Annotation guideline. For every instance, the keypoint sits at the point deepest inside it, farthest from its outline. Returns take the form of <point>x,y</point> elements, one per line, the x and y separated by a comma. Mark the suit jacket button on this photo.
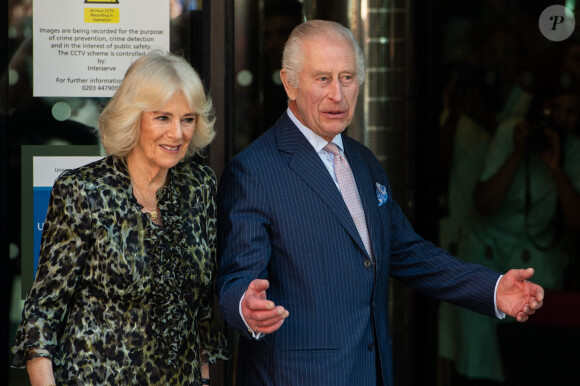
<point>367,263</point>
<point>371,346</point>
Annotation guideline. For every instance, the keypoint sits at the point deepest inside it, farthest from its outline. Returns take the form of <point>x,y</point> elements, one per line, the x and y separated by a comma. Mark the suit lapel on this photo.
<point>310,168</point>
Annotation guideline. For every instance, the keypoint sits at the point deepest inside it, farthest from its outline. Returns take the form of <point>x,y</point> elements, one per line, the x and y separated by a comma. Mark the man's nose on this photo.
<point>336,90</point>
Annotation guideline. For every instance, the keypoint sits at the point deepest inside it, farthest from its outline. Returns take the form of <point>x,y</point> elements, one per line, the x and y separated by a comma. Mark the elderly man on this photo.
<point>309,235</point>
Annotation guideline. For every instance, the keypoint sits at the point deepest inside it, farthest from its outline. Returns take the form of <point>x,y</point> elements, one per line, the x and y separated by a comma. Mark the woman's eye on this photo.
<point>189,119</point>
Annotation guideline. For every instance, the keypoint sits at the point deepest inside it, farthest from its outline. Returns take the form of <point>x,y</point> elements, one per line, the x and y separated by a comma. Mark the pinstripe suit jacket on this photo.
<point>281,217</point>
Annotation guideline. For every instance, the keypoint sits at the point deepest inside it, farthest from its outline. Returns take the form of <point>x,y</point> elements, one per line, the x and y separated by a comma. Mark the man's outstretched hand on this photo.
<point>261,314</point>
<point>518,297</point>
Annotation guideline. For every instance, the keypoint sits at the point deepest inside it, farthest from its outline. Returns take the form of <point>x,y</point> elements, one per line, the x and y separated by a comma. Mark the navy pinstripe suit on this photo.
<point>282,218</point>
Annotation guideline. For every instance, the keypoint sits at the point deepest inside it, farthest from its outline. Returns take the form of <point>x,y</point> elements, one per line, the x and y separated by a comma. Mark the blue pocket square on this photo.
<point>382,196</point>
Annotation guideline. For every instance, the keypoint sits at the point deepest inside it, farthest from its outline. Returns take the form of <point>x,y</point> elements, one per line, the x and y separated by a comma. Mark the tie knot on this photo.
<point>332,148</point>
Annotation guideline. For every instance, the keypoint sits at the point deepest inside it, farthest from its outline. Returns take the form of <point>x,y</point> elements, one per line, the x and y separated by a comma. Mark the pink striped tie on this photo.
<point>350,194</point>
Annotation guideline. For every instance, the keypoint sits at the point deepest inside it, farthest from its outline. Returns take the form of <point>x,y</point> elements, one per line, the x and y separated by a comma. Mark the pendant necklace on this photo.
<point>153,212</point>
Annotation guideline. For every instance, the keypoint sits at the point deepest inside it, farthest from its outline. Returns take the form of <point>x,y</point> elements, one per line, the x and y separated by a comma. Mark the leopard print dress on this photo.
<point>117,299</point>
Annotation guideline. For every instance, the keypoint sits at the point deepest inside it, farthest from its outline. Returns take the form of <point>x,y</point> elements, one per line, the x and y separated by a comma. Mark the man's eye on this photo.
<point>347,79</point>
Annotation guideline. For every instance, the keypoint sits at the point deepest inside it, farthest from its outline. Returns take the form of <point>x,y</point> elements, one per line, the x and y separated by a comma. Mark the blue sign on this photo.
<point>40,196</point>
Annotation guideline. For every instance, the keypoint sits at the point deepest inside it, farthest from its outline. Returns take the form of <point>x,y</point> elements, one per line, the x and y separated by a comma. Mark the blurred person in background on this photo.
<point>528,191</point>
<point>488,88</point>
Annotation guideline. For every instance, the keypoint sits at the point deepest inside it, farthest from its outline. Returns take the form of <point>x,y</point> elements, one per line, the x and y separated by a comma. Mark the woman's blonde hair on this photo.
<point>148,85</point>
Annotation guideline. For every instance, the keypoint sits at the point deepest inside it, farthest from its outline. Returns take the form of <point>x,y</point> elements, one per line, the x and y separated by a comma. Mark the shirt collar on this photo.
<point>317,142</point>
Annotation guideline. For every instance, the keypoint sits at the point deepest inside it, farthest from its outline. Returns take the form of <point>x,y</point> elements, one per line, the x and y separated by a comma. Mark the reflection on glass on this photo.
<point>61,111</point>
<point>244,78</point>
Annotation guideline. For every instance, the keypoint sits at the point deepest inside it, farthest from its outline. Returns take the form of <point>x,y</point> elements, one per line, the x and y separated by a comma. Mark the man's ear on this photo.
<point>290,91</point>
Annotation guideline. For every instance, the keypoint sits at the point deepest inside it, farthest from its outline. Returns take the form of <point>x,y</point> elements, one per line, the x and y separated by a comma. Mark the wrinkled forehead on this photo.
<point>329,55</point>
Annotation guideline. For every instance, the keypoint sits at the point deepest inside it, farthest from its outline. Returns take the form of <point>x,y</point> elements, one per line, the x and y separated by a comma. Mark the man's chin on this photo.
<point>336,127</point>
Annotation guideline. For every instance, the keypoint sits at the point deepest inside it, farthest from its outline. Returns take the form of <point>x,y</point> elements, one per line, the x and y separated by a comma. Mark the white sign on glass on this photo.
<point>83,48</point>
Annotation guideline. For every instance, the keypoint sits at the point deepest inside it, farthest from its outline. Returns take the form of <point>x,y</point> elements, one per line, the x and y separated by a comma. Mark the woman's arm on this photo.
<point>40,371</point>
<point>489,194</point>
<point>204,368</point>
<point>568,196</point>
<point>64,248</point>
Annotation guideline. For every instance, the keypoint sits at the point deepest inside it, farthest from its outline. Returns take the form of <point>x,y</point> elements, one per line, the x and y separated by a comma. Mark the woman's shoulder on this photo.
<point>191,169</point>
<point>82,173</point>
<point>107,170</point>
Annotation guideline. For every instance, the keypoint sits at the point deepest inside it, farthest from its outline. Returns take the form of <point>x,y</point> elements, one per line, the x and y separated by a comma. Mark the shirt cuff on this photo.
<point>498,313</point>
<point>254,335</point>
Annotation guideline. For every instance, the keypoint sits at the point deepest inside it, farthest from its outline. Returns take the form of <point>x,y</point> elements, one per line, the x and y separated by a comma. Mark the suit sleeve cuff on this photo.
<point>252,333</point>
<point>498,313</point>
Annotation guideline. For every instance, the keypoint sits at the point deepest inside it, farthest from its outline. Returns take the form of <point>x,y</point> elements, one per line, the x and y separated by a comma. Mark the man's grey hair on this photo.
<point>293,57</point>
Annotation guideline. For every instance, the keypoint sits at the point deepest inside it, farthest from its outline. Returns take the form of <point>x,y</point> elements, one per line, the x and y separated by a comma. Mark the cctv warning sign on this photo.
<point>83,49</point>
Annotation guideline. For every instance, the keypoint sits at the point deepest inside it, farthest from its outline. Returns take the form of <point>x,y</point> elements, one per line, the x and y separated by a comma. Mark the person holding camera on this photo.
<point>532,174</point>
<point>528,192</point>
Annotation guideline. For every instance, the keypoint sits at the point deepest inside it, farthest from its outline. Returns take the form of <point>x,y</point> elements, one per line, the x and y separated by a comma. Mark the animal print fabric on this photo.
<point>117,299</point>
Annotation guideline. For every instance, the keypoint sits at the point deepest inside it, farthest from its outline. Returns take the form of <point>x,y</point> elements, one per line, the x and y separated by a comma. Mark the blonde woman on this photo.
<point>124,290</point>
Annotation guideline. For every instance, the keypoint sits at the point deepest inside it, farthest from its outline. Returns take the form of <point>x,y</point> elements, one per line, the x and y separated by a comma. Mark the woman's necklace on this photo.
<point>153,215</point>
<point>153,212</point>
